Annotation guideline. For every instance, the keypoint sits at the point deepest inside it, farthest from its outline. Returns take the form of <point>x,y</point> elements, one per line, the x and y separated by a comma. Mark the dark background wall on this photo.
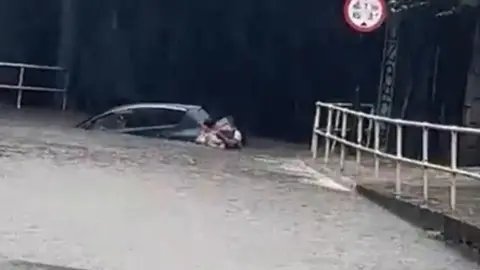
<point>263,61</point>
<point>29,33</point>
<point>419,94</point>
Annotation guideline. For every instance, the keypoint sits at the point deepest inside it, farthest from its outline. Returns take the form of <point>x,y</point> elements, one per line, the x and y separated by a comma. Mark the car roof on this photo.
<point>170,106</point>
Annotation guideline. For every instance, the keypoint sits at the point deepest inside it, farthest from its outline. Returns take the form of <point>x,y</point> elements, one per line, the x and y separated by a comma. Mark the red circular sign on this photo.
<point>365,15</point>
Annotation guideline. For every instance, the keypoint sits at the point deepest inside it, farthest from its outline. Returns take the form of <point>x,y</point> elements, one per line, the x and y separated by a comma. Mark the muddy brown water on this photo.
<point>93,200</point>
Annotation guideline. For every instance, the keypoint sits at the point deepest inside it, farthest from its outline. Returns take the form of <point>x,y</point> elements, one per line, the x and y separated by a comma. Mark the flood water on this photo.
<point>93,200</point>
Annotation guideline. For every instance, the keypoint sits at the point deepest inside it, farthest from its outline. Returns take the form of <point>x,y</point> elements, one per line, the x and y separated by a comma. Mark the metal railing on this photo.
<point>369,107</point>
<point>20,86</point>
<point>398,157</point>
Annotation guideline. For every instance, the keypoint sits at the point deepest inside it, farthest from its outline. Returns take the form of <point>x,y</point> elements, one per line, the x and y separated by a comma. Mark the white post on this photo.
<point>65,90</point>
<point>316,124</point>
<point>369,128</point>
<point>342,145</point>
<point>376,143</point>
<point>453,165</point>
<point>398,181</point>
<point>425,163</point>
<point>328,133</point>
<point>359,142</point>
<point>20,85</point>
<point>64,101</point>
<point>336,127</point>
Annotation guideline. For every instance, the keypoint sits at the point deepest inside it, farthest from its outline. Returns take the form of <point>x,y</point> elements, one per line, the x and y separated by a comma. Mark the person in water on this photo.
<point>224,137</point>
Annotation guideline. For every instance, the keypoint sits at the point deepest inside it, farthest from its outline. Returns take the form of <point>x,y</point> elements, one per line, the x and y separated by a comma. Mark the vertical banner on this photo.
<point>386,89</point>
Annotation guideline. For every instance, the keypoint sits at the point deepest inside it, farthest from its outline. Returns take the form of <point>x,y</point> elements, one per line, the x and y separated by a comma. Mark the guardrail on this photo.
<point>363,107</point>
<point>398,157</point>
<point>20,86</point>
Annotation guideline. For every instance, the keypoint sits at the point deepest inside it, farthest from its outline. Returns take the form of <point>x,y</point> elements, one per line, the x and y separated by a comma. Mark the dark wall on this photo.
<point>29,31</point>
<point>29,34</point>
<point>422,96</point>
<point>263,61</point>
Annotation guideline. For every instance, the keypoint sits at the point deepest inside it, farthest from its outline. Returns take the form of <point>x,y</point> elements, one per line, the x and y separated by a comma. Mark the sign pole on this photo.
<point>363,16</point>
<point>358,85</point>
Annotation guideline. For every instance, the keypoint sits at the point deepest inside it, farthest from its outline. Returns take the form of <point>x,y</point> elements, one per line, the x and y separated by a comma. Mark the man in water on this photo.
<point>224,136</point>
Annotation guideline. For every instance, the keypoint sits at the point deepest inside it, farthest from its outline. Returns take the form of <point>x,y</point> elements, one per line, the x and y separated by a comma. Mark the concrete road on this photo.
<point>98,201</point>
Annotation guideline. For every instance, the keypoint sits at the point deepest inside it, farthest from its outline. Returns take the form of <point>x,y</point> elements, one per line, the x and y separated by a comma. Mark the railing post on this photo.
<point>20,85</point>
<point>328,133</point>
<point>398,180</point>
<point>64,101</point>
<point>453,166</point>
<point>336,127</point>
<point>342,145</point>
<point>65,90</point>
<point>425,163</point>
<point>359,142</point>
<point>376,145</point>
<point>316,125</point>
<point>369,128</point>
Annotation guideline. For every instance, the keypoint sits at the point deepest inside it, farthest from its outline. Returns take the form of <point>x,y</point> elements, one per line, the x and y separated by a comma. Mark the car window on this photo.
<point>110,121</point>
<point>154,117</point>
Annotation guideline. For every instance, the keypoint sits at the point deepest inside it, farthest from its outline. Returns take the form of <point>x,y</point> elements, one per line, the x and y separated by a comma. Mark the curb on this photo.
<point>341,179</point>
<point>461,235</point>
<point>333,174</point>
<point>21,264</point>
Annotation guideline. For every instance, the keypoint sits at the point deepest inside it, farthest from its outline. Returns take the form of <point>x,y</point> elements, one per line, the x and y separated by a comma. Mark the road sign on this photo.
<point>365,15</point>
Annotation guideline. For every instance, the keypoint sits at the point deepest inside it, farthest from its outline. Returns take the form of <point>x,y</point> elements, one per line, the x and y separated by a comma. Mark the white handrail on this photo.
<point>368,106</point>
<point>398,156</point>
<point>401,121</point>
<point>20,86</point>
<point>22,65</point>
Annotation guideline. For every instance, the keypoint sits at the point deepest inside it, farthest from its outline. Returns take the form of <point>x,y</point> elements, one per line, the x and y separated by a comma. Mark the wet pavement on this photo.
<point>92,200</point>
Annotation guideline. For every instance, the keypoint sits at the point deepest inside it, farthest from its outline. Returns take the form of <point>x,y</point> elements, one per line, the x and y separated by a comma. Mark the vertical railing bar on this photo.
<point>64,101</point>
<point>376,139</point>
<point>359,143</point>
<point>343,135</point>
<point>398,167</point>
<point>316,125</point>
<point>21,77</point>
<point>370,127</point>
<point>425,144</point>
<point>453,165</point>
<point>65,90</point>
<point>328,133</point>
<point>20,84</point>
<point>335,130</point>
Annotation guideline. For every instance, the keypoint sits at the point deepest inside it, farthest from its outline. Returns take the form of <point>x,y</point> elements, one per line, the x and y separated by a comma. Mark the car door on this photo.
<point>187,130</point>
<point>153,122</point>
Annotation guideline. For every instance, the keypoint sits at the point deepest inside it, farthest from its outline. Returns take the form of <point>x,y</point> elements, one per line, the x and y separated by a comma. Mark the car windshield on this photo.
<point>200,115</point>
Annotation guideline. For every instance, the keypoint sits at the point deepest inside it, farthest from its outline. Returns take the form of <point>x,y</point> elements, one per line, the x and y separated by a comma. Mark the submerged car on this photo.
<point>159,120</point>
